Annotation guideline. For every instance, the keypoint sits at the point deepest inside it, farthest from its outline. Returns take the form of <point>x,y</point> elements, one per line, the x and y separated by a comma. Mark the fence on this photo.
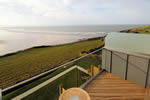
<point>90,59</point>
<point>48,82</point>
<point>128,65</point>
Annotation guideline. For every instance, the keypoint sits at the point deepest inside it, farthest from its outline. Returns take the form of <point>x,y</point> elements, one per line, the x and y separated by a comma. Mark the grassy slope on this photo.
<point>89,60</point>
<point>51,91</point>
<point>31,62</point>
<point>142,30</point>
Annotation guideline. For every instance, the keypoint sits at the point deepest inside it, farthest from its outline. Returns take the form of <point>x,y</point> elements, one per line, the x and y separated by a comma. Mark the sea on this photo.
<point>14,39</point>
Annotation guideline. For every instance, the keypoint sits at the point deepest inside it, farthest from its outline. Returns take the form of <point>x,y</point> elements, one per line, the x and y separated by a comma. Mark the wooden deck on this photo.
<point>111,87</point>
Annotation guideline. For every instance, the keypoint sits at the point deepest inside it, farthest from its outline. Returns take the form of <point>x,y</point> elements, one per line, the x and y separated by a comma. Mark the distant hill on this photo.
<point>141,30</point>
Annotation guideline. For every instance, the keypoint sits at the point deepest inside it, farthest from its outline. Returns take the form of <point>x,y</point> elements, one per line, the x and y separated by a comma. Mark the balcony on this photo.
<point>105,74</point>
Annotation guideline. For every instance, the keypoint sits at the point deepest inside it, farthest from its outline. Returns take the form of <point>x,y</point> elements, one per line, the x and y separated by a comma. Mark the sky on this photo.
<point>73,12</point>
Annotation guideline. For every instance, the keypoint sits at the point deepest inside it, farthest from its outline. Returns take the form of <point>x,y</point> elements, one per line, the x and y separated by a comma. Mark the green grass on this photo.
<point>69,80</point>
<point>89,60</point>
<point>51,90</point>
<point>31,85</point>
<point>39,81</point>
<point>31,62</point>
<point>93,59</point>
<point>141,30</point>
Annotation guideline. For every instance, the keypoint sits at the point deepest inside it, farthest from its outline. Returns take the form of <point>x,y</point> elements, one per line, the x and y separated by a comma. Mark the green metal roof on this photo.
<point>139,43</point>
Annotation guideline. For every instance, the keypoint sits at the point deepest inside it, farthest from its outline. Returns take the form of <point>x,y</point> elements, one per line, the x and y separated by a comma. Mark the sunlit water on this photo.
<point>16,39</point>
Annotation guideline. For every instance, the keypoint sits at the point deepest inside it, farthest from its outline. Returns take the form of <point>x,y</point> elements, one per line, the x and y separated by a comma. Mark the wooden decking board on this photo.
<point>119,98</point>
<point>97,88</point>
<point>115,90</point>
<point>111,87</point>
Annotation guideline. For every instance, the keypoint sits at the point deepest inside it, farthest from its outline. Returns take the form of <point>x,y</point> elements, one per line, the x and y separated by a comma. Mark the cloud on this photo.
<point>70,12</point>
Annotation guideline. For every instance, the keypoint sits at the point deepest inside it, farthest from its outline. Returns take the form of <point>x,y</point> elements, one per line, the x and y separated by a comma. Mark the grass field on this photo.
<point>93,59</point>
<point>71,79</point>
<point>141,30</point>
<point>28,63</point>
<point>51,90</point>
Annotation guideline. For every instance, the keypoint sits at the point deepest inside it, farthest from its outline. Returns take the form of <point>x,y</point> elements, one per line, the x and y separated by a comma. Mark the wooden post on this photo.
<point>92,71</point>
<point>0,94</point>
<point>99,67</point>
<point>60,89</point>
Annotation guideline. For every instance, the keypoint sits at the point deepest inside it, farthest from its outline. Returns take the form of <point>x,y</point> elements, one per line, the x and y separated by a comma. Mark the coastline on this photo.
<point>138,30</point>
<point>22,65</point>
<point>47,46</point>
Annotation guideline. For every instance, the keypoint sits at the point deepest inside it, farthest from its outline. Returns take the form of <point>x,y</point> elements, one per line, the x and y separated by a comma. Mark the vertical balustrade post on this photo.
<point>0,94</point>
<point>60,89</point>
<point>147,74</point>
<point>110,61</point>
<point>127,63</point>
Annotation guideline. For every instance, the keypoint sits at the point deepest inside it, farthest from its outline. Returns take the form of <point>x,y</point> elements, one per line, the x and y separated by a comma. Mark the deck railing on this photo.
<point>34,89</point>
<point>114,56</point>
<point>126,70</point>
<point>93,56</point>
